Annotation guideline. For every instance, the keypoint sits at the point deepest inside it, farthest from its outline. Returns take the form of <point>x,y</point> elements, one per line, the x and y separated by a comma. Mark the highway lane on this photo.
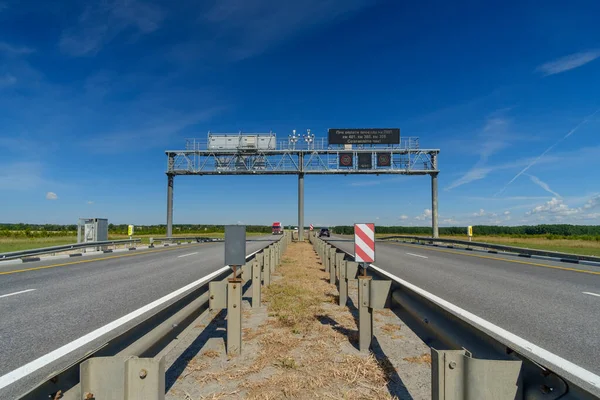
<point>54,306</point>
<point>545,302</point>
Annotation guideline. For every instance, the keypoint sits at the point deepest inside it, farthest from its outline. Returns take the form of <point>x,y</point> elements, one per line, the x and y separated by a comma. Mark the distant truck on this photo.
<point>277,228</point>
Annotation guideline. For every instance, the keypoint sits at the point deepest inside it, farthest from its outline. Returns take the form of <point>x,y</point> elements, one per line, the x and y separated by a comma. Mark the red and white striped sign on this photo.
<point>364,243</point>
<point>311,227</point>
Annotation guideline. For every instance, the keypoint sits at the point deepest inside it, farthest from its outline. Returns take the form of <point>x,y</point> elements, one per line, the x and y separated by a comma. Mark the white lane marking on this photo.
<point>54,355</point>
<point>590,293</point>
<point>185,255</point>
<point>416,255</point>
<point>12,294</point>
<point>550,359</point>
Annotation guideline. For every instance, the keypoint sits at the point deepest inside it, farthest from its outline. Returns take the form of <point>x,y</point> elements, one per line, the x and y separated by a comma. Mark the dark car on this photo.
<point>324,232</point>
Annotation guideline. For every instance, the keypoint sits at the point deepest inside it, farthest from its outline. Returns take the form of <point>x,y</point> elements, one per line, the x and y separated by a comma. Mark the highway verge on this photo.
<point>301,344</point>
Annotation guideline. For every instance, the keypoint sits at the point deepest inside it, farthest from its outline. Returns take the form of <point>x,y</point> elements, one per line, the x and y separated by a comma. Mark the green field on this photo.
<point>8,244</point>
<point>573,246</point>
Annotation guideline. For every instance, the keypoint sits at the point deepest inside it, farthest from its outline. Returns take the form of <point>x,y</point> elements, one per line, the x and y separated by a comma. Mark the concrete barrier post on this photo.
<point>365,314</point>
<point>256,284</point>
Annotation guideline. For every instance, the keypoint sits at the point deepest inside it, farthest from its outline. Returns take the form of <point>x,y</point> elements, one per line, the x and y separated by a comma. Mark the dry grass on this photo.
<point>302,351</point>
<point>422,359</point>
<point>390,328</point>
<point>303,342</point>
<point>211,354</point>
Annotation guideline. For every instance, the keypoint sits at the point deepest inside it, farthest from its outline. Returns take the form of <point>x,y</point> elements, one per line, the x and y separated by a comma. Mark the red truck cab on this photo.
<point>277,229</point>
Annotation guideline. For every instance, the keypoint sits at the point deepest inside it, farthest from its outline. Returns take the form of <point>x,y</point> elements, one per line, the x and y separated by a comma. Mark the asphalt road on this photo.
<point>53,303</point>
<point>553,304</point>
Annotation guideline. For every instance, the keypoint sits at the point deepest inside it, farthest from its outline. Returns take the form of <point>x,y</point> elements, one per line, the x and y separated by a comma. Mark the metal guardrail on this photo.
<point>148,338</point>
<point>526,252</point>
<point>542,375</point>
<point>13,255</point>
<point>179,240</point>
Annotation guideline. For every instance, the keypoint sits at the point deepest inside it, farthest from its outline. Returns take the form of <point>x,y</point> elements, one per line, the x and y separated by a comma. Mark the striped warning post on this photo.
<point>364,243</point>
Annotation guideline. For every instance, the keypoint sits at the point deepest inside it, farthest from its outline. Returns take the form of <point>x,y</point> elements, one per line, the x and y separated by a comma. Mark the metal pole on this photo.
<point>365,314</point>
<point>170,178</point>
<point>256,284</point>
<point>234,315</point>
<point>301,207</point>
<point>434,205</point>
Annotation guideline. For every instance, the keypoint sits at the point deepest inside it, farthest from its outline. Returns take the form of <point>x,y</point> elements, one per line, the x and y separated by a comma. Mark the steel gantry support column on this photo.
<point>434,198</point>
<point>301,207</point>
<point>170,179</point>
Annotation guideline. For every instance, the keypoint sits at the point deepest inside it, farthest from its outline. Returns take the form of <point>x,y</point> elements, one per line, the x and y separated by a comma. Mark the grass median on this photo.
<point>304,347</point>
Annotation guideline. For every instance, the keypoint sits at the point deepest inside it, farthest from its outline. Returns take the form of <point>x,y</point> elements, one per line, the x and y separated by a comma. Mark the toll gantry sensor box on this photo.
<point>92,230</point>
<point>242,142</point>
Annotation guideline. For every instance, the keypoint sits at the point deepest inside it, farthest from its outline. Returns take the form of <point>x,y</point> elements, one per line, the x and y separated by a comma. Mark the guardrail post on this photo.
<point>457,376</point>
<point>267,266</point>
<point>272,261</point>
<point>234,316</point>
<point>365,314</point>
<point>343,284</point>
<point>333,257</point>
<point>339,262</point>
<point>256,284</point>
<point>326,258</point>
<point>128,378</point>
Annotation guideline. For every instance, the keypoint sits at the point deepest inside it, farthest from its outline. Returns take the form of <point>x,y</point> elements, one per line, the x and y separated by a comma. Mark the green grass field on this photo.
<point>16,244</point>
<point>573,246</point>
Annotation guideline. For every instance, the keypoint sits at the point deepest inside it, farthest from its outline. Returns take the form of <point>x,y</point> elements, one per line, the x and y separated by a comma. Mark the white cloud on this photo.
<point>366,183</point>
<point>592,203</point>
<point>481,213</point>
<point>426,215</point>
<point>252,27</point>
<point>90,202</point>
<point>538,158</point>
<point>21,176</point>
<point>494,137</point>
<point>51,196</point>
<point>506,212</point>
<point>569,62</point>
<point>102,22</point>
<point>7,80</point>
<point>554,206</point>
<point>154,131</point>
<point>404,217</point>
<point>543,185</point>
<point>14,50</point>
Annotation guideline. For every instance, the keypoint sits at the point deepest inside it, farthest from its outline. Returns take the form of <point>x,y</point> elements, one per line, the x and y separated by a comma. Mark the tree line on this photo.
<point>551,231</point>
<point>53,230</point>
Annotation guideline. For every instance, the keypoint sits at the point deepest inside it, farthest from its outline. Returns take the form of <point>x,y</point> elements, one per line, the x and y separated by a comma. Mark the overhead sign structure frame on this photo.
<point>346,160</point>
<point>364,243</point>
<point>365,161</point>
<point>364,136</point>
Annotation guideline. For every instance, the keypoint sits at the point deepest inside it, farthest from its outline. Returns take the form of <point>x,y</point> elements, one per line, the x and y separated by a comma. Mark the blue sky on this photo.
<point>92,93</point>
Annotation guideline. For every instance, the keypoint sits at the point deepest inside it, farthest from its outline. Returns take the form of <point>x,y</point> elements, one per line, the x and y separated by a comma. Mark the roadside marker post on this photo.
<point>364,253</point>
<point>235,256</point>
